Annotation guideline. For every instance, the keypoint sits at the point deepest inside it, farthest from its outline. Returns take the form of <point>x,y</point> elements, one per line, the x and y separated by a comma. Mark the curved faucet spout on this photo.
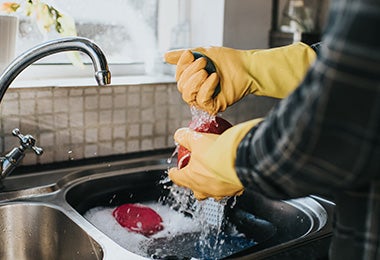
<point>102,74</point>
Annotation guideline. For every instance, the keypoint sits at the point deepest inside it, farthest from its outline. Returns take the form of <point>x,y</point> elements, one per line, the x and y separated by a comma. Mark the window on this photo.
<point>118,26</point>
<point>134,34</point>
<point>126,30</point>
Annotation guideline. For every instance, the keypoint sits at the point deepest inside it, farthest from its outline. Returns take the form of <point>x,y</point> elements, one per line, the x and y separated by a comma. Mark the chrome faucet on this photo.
<point>102,75</point>
<point>12,159</point>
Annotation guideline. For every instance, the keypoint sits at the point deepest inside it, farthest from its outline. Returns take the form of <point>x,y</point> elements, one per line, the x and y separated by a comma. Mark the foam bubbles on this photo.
<point>174,223</point>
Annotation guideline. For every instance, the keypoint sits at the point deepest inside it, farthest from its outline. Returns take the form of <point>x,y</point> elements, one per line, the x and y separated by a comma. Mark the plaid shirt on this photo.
<point>324,138</point>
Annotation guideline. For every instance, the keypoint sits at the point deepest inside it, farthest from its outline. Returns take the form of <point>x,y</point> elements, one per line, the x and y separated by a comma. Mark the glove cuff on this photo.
<point>278,71</point>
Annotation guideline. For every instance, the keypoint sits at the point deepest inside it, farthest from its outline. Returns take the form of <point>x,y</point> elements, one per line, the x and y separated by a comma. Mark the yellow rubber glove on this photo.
<point>211,169</point>
<point>273,72</point>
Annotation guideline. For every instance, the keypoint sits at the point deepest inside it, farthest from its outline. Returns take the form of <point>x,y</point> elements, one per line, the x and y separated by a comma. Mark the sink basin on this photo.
<point>38,231</point>
<point>43,214</point>
<point>274,225</point>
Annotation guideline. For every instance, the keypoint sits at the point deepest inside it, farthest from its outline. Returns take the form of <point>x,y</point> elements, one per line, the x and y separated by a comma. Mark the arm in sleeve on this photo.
<point>325,135</point>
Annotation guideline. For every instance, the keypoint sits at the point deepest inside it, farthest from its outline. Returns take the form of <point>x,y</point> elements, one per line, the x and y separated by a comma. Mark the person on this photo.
<point>322,138</point>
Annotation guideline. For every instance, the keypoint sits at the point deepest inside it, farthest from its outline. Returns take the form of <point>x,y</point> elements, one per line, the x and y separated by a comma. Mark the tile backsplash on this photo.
<point>72,123</point>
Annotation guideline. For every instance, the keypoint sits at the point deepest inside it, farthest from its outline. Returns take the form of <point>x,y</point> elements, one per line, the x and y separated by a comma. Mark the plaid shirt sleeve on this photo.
<point>325,137</point>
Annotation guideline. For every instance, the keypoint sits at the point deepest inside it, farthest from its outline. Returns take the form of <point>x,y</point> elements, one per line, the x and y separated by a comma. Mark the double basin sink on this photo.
<point>41,213</point>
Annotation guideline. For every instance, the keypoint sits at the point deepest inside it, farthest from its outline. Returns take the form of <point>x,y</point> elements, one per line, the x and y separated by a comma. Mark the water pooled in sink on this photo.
<point>181,237</point>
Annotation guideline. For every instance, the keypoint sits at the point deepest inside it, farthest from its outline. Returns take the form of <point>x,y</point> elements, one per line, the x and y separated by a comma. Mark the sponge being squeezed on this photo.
<point>204,123</point>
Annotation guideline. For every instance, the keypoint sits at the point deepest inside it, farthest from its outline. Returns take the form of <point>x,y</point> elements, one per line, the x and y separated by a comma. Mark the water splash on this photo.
<point>175,152</point>
<point>213,241</point>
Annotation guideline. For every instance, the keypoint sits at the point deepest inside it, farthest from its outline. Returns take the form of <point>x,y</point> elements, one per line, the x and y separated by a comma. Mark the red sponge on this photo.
<point>138,218</point>
<point>215,126</point>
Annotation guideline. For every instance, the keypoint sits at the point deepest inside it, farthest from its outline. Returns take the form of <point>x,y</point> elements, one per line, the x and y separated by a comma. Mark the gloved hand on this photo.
<point>273,72</point>
<point>211,169</point>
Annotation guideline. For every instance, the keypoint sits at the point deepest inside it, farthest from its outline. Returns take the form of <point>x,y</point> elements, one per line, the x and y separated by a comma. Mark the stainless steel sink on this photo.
<point>274,225</point>
<point>37,231</point>
<point>41,213</point>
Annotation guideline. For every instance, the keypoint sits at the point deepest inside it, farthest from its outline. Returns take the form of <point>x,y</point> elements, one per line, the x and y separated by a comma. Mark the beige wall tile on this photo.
<point>73,123</point>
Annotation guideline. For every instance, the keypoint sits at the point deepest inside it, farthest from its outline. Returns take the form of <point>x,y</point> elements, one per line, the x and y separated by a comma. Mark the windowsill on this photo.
<point>69,76</point>
<point>91,81</point>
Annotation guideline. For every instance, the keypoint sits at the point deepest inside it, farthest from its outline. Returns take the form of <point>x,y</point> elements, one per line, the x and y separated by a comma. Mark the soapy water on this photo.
<point>188,231</point>
<point>182,237</point>
<point>174,224</point>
